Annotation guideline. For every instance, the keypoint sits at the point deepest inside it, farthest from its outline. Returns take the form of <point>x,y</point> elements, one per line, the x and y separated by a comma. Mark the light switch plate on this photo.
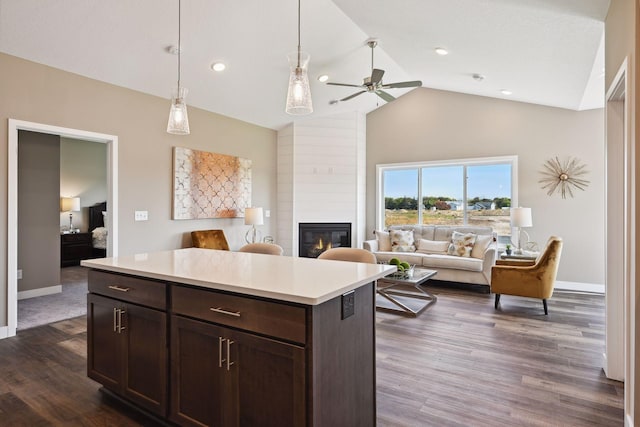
<point>142,215</point>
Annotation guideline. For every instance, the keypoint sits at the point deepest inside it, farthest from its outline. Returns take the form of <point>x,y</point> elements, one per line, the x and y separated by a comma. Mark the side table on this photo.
<point>75,247</point>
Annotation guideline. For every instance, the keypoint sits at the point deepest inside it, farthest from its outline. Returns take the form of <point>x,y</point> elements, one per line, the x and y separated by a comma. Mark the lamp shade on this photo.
<point>253,216</point>
<point>69,204</point>
<point>521,217</point>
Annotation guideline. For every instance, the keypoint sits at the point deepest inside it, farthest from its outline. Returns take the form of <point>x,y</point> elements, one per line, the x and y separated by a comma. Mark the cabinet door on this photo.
<point>104,353</point>
<point>145,357</point>
<point>265,383</point>
<point>196,375</point>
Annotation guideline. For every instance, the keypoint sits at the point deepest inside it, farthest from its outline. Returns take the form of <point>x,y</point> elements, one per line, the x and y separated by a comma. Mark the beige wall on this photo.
<point>429,124</point>
<point>83,174</point>
<point>46,95</point>
<point>38,208</point>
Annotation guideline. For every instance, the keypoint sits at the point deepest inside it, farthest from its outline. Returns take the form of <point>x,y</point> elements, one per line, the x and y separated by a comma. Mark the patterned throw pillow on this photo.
<point>462,244</point>
<point>402,241</point>
<point>384,240</point>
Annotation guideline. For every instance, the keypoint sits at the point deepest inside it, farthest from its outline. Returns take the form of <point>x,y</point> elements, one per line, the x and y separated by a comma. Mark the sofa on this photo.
<point>462,254</point>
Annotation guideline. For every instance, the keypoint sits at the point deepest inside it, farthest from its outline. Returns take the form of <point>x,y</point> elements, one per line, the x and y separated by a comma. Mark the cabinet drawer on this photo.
<point>269,318</point>
<point>130,289</point>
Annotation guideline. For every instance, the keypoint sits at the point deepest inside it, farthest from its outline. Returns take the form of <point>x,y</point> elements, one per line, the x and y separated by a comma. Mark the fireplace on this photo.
<point>315,238</point>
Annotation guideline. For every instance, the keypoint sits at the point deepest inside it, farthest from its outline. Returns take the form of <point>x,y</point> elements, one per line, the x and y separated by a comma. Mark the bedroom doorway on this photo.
<point>111,142</point>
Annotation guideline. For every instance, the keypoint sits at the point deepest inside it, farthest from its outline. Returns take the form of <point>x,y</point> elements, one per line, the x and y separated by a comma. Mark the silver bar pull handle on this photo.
<point>227,312</point>
<point>115,319</point>
<point>119,325</point>
<point>119,288</point>
<point>229,362</point>
<point>220,359</point>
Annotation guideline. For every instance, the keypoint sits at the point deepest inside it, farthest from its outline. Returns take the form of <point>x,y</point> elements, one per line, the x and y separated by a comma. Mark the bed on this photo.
<point>97,227</point>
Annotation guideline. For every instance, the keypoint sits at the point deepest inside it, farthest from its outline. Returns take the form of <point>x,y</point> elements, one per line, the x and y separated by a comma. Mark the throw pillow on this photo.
<point>461,244</point>
<point>481,245</point>
<point>384,240</point>
<point>432,246</point>
<point>402,241</point>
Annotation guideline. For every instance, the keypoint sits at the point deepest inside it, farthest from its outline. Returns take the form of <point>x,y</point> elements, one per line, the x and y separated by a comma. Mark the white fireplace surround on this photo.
<point>321,176</point>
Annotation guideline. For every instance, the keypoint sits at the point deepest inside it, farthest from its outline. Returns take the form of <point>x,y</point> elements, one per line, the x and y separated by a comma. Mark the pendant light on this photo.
<point>299,93</point>
<point>178,120</point>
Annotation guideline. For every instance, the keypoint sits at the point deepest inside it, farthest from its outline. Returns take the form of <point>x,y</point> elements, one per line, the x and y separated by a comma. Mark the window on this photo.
<point>475,192</point>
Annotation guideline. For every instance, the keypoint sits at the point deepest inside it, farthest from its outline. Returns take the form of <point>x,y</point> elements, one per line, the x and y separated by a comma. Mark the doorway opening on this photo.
<point>12,201</point>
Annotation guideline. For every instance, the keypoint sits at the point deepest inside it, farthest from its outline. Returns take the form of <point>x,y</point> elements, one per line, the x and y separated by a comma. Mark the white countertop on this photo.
<point>302,280</point>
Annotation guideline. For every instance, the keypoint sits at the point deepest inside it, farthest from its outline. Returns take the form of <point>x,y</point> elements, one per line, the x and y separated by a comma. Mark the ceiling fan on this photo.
<point>374,83</point>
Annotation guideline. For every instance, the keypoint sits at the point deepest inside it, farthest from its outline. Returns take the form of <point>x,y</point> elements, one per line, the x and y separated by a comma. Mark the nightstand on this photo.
<point>75,247</point>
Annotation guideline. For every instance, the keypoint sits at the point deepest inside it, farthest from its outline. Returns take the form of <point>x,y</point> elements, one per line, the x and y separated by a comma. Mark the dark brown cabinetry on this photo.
<point>224,377</point>
<point>235,360</point>
<point>127,343</point>
<point>75,247</point>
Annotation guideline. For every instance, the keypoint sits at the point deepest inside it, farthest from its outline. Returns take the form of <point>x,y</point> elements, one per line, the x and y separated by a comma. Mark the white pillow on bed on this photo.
<point>104,218</point>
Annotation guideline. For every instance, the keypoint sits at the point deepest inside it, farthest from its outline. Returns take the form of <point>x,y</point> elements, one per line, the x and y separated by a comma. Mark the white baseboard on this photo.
<point>628,421</point>
<point>39,292</point>
<point>579,287</point>
<point>4,332</point>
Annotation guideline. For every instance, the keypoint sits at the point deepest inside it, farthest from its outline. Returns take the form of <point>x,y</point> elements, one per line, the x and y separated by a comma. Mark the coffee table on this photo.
<point>404,295</point>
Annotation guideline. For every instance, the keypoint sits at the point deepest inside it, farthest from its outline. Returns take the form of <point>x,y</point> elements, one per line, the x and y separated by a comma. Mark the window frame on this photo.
<point>479,161</point>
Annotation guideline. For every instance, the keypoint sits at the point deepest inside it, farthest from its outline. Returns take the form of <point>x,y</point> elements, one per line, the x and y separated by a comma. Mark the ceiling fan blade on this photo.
<point>384,95</point>
<point>376,76</point>
<point>353,95</point>
<point>416,83</point>
<point>343,84</point>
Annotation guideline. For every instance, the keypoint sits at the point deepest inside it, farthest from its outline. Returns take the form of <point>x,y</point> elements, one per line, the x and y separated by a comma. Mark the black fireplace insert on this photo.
<point>315,237</point>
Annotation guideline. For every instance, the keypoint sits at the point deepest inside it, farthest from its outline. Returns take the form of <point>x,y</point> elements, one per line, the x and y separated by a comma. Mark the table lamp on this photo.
<point>253,217</point>
<point>521,217</point>
<point>70,204</point>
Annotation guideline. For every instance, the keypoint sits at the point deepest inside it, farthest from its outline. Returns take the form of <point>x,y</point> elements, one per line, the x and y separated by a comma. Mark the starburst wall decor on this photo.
<point>563,176</point>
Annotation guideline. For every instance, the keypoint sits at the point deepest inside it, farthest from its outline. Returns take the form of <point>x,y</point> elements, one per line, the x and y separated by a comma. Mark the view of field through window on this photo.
<point>443,200</point>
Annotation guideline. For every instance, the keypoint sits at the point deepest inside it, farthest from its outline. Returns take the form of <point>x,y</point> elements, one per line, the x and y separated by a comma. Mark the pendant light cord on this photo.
<point>299,47</point>
<point>179,45</point>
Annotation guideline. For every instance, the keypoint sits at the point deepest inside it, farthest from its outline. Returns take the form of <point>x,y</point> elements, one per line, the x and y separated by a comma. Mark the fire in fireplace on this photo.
<point>315,238</point>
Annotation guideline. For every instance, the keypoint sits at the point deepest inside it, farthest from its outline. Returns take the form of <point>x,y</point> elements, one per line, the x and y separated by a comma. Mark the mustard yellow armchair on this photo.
<point>209,239</point>
<point>533,281</point>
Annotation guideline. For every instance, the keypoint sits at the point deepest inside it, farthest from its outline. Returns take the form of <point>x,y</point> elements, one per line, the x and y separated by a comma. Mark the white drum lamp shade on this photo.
<point>70,204</point>
<point>253,217</point>
<point>521,217</point>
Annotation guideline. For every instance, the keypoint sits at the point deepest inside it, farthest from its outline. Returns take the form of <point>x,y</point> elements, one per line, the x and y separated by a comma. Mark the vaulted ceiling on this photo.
<point>547,52</point>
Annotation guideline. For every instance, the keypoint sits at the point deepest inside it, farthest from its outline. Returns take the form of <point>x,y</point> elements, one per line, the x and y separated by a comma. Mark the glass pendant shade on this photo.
<point>299,93</point>
<point>178,119</point>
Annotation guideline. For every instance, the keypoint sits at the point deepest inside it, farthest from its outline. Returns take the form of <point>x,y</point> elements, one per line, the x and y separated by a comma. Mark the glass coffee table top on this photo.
<point>403,294</point>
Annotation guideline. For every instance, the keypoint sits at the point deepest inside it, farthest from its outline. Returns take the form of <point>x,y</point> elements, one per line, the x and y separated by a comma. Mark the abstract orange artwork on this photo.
<point>209,185</point>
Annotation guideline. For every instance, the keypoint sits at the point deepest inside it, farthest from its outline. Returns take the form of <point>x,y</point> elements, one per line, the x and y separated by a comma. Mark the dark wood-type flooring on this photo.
<point>460,363</point>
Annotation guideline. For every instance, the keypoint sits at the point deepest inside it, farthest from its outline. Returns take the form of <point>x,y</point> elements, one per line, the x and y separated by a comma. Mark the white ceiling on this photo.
<point>547,52</point>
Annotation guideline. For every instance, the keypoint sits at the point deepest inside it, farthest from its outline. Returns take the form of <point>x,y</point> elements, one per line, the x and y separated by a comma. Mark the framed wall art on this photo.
<point>209,185</point>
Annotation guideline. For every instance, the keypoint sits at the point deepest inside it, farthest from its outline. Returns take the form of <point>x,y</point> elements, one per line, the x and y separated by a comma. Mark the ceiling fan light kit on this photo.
<point>178,123</point>
<point>299,93</point>
<point>373,83</point>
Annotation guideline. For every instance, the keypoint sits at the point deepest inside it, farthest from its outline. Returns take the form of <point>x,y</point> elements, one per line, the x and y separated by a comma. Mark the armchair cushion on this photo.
<point>209,239</point>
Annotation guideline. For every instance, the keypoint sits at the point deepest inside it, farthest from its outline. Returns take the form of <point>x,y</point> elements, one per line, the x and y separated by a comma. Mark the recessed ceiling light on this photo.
<point>323,78</point>
<point>506,92</point>
<point>441,51</point>
<point>218,66</point>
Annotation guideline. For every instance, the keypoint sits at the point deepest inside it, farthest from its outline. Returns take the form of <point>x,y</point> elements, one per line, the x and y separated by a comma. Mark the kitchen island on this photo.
<point>206,337</point>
